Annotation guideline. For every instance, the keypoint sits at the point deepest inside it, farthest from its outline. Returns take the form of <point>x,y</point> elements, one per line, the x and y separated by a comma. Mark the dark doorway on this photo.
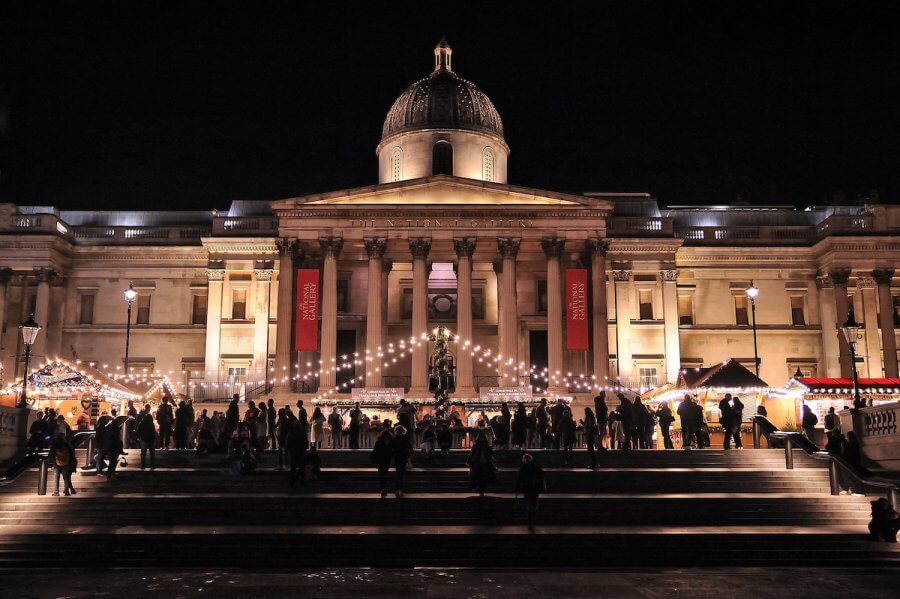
<point>537,349</point>
<point>346,345</point>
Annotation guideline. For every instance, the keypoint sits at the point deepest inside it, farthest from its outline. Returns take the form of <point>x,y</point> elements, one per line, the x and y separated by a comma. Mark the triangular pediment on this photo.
<point>444,191</point>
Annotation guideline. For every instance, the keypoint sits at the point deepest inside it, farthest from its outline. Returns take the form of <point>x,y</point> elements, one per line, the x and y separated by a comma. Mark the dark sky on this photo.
<point>138,104</point>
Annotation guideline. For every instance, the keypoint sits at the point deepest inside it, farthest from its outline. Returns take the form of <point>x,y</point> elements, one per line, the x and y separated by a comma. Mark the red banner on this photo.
<point>576,309</point>
<point>306,331</point>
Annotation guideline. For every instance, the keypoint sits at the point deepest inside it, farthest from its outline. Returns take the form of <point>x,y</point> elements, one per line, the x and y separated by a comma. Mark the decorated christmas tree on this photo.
<point>441,380</point>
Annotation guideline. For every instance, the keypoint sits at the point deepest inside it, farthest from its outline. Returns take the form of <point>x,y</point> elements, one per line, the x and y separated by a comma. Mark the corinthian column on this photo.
<point>464,248</point>
<point>597,250</point>
<point>622,280</point>
<point>375,249</point>
<point>331,248</point>
<point>420,248</point>
<point>288,252</point>
<point>831,351</point>
<point>883,277</point>
<point>42,311</point>
<point>5,276</point>
<point>263,278</point>
<point>839,278</point>
<point>215,275</point>
<point>670,323</point>
<point>509,322</point>
<point>553,249</point>
<point>866,286</point>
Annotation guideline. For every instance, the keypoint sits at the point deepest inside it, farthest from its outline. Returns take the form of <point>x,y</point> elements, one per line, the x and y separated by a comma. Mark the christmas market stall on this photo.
<point>820,394</point>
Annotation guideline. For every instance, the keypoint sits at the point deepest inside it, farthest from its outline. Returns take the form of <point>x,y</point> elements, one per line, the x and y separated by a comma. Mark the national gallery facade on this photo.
<point>564,293</point>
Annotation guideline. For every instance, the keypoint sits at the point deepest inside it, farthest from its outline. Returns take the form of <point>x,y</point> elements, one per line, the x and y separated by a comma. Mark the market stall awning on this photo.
<point>62,378</point>
<point>729,374</point>
<point>821,385</point>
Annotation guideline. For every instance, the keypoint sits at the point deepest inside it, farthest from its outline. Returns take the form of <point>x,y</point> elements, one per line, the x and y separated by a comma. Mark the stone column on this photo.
<point>288,252</point>
<point>42,314</point>
<point>509,323</point>
<point>386,267</point>
<point>553,249</point>
<point>56,316</point>
<point>866,285</point>
<point>670,318</point>
<point>464,249</point>
<point>597,250</point>
<point>839,278</point>
<point>375,249</point>
<point>420,248</point>
<point>331,248</point>
<point>263,278</point>
<point>883,277</point>
<point>5,276</point>
<point>215,275</point>
<point>624,313</point>
<point>831,350</point>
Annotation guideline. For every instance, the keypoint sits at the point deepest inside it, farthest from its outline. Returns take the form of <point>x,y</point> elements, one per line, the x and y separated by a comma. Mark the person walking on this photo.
<point>112,448</point>
<point>297,444</point>
<point>808,422</point>
<point>567,435</point>
<point>62,458</point>
<point>520,427</point>
<point>737,416</point>
<point>165,417</point>
<point>402,448</point>
<point>482,467</point>
<point>530,483</point>
<point>336,424</point>
<point>665,418</point>
<point>382,454</point>
<point>725,420</point>
<point>355,417</point>
<point>146,434</point>
<point>591,434</point>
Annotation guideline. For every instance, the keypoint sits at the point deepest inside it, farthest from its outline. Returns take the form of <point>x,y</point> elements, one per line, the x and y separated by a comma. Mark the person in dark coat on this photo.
<point>382,454</point>
<point>165,417</point>
<point>689,427</point>
<point>665,418</point>
<point>112,447</point>
<point>737,416</point>
<point>444,438</point>
<point>567,435</point>
<point>146,435</point>
<point>297,444</point>
<point>542,422</point>
<point>627,421</point>
<point>808,423</point>
<point>589,425</point>
<point>62,459</point>
<point>270,423</point>
<point>885,521</point>
<point>232,417</point>
<point>39,433</point>
<point>530,483</point>
<point>355,417</point>
<point>482,468</point>
<point>725,419</point>
<point>601,412</point>
<point>643,422</point>
<point>181,426</point>
<point>832,421</point>
<point>556,418</point>
<point>402,449</point>
<point>520,427</point>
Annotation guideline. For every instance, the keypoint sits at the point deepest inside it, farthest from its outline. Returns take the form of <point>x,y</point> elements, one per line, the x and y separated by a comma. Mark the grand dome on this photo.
<point>443,100</point>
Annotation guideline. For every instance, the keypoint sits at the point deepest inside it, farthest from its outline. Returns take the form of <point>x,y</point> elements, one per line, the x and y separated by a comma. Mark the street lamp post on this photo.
<point>30,331</point>
<point>850,330</point>
<point>752,294</point>
<point>130,295</point>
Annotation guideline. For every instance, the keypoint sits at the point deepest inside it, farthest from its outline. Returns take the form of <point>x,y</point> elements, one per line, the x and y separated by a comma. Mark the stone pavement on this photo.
<point>796,583</point>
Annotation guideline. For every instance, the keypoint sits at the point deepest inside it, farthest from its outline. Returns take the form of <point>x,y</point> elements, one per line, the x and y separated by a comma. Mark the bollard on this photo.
<point>834,475</point>
<point>755,434</point>
<point>42,478</point>
<point>788,453</point>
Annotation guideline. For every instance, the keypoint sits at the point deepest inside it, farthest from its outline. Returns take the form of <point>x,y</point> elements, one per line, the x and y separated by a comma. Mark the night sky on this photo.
<point>192,105</point>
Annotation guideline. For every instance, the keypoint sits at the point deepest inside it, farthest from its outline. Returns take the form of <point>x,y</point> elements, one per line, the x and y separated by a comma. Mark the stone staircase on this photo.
<point>647,508</point>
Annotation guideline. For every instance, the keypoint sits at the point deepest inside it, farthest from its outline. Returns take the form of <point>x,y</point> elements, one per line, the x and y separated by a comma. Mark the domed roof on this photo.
<point>443,100</point>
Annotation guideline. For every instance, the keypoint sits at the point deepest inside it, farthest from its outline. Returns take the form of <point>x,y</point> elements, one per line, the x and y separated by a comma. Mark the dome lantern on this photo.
<point>442,55</point>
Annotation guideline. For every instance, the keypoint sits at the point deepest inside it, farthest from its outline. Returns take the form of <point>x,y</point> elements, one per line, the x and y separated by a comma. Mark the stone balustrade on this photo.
<point>878,432</point>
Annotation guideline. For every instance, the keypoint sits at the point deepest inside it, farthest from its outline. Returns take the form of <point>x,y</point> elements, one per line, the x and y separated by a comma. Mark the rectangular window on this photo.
<point>541,296</point>
<point>343,295</point>
<point>237,375</point>
<point>798,316</point>
<point>648,377</point>
<point>685,309</point>
<point>86,310</point>
<point>239,304</point>
<point>198,308</point>
<point>143,309</point>
<point>740,310</point>
<point>645,299</point>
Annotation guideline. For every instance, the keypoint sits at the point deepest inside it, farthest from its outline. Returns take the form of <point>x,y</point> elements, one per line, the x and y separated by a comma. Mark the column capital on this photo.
<point>865,282</point>
<point>669,275</point>
<point>509,247</point>
<point>5,274</point>
<point>596,247</point>
<point>464,247</point>
<point>263,274</point>
<point>420,247</point>
<point>839,276</point>
<point>331,246</point>
<point>621,276</point>
<point>215,274</point>
<point>553,248</point>
<point>824,282</point>
<point>882,276</point>
<point>375,247</point>
<point>44,274</point>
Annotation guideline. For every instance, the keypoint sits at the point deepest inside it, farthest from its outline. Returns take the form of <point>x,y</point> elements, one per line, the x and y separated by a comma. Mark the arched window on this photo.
<point>442,159</point>
<point>396,164</point>
<point>487,164</point>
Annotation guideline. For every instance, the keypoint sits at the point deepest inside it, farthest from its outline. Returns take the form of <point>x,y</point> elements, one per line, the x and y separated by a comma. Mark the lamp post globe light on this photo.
<point>752,294</point>
<point>130,296</point>
<point>850,330</point>
<point>30,330</point>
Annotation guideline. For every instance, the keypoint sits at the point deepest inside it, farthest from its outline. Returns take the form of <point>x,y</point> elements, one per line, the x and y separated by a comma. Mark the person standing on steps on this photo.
<point>626,416</point>
<point>382,454</point>
<point>62,458</point>
<point>402,449</point>
<point>689,428</point>
<point>737,415</point>
<point>336,424</point>
<point>665,418</point>
<point>590,435</point>
<point>180,431</point>
<point>318,427</point>
<point>832,422</point>
<point>542,418</point>
<point>262,426</point>
<point>165,417</point>
<point>530,483</point>
<point>725,420</point>
<point>601,412</point>
<point>297,444</point>
<point>146,434</point>
<point>643,423</point>
<point>482,467</point>
<point>355,416</point>
<point>232,416</point>
<point>567,435</point>
<point>556,418</point>
<point>808,422</point>
<point>270,424</point>
<point>520,427</point>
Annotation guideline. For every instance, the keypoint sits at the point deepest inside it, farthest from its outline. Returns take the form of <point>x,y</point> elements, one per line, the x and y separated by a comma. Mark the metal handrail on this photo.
<point>30,461</point>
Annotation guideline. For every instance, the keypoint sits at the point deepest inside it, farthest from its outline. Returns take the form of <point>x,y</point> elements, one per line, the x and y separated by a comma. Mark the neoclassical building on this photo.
<point>443,239</point>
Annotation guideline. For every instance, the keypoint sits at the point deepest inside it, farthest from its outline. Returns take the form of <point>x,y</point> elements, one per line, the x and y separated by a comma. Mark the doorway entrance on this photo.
<point>346,345</point>
<point>537,349</point>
